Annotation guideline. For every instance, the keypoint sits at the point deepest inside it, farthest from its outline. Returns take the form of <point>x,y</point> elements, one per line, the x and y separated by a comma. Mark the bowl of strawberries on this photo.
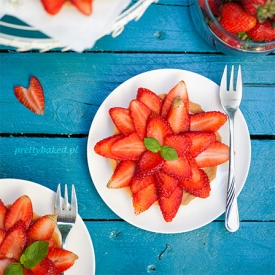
<point>238,26</point>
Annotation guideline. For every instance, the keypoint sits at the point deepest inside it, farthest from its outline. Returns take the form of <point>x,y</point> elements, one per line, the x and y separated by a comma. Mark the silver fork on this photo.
<point>66,213</point>
<point>230,101</point>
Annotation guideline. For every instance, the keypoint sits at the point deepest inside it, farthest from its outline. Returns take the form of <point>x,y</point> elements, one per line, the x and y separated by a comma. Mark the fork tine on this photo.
<point>66,203</point>
<point>58,198</point>
<point>231,88</point>
<point>74,200</point>
<point>239,85</point>
<point>224,80</point>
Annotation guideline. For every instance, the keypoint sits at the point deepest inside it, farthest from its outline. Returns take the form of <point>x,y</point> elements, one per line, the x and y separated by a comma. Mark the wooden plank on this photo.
<point>69,165</point>
<point>123,249</point>
<point>76,84</point>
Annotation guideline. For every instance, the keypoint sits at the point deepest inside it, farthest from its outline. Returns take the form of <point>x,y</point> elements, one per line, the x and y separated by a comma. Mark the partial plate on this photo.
<point>79,240</point>
<point>200,211</point>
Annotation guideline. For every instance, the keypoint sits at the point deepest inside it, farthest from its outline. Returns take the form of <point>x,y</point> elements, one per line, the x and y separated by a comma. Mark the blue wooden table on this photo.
<point>76,84</point>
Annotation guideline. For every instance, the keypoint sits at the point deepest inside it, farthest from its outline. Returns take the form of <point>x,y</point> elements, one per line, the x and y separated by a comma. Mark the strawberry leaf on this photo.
<point>168,153</point>
<point>152,145</point>
<point>34,254</point>
<point>14,269</point>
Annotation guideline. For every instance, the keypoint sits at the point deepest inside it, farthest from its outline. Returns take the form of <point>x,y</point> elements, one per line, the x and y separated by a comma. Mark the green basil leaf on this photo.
<point>34,254</point>
<point>152,145</point>
<point>168,153</point>
<point>14,269</point>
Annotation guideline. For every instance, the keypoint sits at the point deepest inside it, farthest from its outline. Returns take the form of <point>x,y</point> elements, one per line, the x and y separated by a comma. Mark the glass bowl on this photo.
<point>210,29</point>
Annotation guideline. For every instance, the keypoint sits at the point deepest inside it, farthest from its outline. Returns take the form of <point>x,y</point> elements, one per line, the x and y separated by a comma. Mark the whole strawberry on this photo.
<point>262,9</point>
<point>234,18</point>
<point>262,31</point>
<point>214,5</point>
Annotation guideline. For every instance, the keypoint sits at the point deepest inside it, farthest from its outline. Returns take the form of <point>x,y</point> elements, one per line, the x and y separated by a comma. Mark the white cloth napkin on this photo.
<point>69,26</point>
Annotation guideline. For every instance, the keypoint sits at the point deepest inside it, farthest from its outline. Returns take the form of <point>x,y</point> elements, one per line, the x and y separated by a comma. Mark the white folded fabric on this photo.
<point>69,26</point>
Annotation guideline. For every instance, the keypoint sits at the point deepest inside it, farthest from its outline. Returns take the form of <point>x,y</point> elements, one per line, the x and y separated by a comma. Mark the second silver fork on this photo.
<point>230,101</point>
<point>66,213</point>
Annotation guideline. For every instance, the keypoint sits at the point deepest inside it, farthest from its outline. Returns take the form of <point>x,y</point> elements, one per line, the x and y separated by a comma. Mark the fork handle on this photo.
<point>232,222</point>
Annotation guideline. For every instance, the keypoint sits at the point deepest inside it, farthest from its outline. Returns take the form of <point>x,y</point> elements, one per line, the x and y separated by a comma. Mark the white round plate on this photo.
<point>200,211</point>
<point>79,240</point>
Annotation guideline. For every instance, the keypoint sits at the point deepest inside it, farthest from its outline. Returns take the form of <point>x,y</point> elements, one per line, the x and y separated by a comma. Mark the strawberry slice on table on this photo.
<point>179,90</point>
<point>14,242</point>
<point>43,228</point>
<point>53,6</point>
<point>150,99</point>
<point>178,116</point>
<point>208,121</point>
<point>180,143</point>
<point>84,6</point>
<point>122,175</point>
<point>122,120</point>
<point>216,153</point>
<point>139,113</point>
<point>179,168</point>
<point>62,259</point>
<point>32,97</point>
<point>129,147</point>
<point>165,184</point>
<point>103,147</point>
<point>148,164</point>
<point>170,206</point>
<point>138,184</point>
<point>143,199</point>
<point>199,188</point>
<point>46,266</point>
<point>158,128</point>
<point>21,209</point>
<point>3,211</point>
<point>199,141</point>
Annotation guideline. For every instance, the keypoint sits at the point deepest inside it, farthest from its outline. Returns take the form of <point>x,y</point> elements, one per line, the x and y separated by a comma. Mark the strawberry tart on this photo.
<point>165,150</point>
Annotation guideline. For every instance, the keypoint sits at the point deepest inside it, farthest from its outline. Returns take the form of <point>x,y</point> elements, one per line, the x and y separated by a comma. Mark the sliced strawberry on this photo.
<point>45,267</point>
<point>179,142</point>
<point>14,241</point>
<point>4,264</point>
<point>139,113</point>
<point>179,90</point>
<point>143,199</point>
<point>84,6</point>
<point>200,141</point>
<point>200,188</point>
<point>62,259</point>
<point>170,206</point>
<point>179,168</point>
<point>129,147</point>
<point>27,271</point>
<point>21,209</point>
<point>148,164</point>
<point>158,128</point>
<point>53,6</point>
<point>32,97</point>
<point>122,120</point>
<point>43,228</point>
<point>2,235</point>
<point>194,168</point>
<point>3,212</point>
<point>150,99</point>
<point>165,184</point>
<point>217,153</point>
<point>178,116</point>
<point>103,147</point>
<point>122,175</point>
<point>207,121</point>
<point>138,184</point>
